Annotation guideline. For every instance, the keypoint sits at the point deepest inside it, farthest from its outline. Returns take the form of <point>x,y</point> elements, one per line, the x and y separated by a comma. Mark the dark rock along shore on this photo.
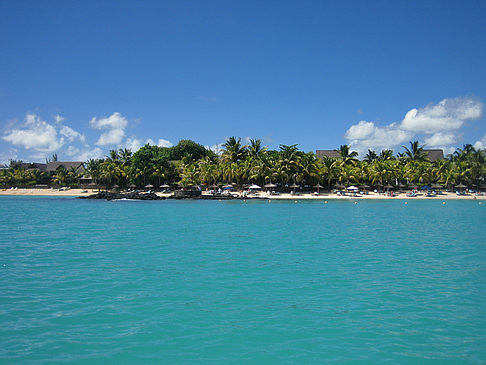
<point>109,195</point>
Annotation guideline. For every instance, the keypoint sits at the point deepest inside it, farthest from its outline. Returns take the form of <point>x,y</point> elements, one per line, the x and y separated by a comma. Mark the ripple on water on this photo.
<point>185,282</point>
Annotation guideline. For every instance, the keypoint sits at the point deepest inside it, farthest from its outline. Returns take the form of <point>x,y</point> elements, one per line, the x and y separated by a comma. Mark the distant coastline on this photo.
<point>285,196</point>
<point>189,165</point>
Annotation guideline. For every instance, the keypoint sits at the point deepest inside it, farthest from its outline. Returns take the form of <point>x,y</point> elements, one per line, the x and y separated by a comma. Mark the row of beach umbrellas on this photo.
<point>318,186</point>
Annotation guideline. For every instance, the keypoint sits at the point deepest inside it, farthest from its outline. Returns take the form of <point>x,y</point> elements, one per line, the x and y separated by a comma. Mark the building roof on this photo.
<point>327,153</point>
<point>68,165</point>
<point>33,166</point>
<point>434,155</point>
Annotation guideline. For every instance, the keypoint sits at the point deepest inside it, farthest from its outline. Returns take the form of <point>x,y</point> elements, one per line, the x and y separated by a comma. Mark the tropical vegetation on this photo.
<point>190,164</point>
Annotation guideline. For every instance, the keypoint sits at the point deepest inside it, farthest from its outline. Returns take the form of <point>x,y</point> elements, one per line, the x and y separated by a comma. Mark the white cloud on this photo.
<point>161,142</point>
<point>5,157</point>
<point>115,125</point>
<point>216,148</point>
<point>111,137</point>
<point>448,150</point>
<point>43,138</point>
<point>84,154</point>
<point>366,135</point>
<point>481,143</point>
<point>37,135</point>
<point>71,134</point>
<point>58,118</point>
<point>447,115</point>
<point>133,144</point>
<point>164,143</point>
<point>440,139</point>
<point>361,130</point>
<point>116,120</point>
<point>438,123</point>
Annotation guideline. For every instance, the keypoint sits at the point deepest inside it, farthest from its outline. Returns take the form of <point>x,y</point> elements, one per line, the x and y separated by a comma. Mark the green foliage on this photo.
<point>187,149</point>
<point>234,151</point>
<point>371,156</point>
<point>148,164</point>
<point>415,152</point>
<point>189,163</point>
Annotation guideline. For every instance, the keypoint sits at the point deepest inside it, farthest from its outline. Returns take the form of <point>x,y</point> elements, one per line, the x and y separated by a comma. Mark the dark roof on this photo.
<point>33,165</point>
<point>434,155</point>
<point>327,153</point>
<point>68,165</point>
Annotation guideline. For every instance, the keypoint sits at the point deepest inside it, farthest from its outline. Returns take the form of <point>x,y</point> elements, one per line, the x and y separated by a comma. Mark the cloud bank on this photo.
<point>41,138</point>
<point>481,143</point>
<point>114,125</point>
<point>436,125</point>
<point>37,135</point>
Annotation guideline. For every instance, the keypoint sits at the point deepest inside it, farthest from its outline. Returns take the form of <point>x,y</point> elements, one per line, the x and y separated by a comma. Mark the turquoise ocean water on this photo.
<point>184,282</point>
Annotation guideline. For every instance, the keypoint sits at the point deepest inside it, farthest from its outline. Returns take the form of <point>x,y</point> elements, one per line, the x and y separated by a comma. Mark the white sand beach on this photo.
<point>370,195</point>
<point>284,196</point>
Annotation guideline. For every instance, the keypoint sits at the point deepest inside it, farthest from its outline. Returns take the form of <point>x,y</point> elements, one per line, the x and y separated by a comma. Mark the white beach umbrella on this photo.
<point>254,186</point>
<point>352,188</point>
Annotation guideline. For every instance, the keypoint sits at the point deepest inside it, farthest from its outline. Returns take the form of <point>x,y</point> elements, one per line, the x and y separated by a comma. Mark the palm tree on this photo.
<point>382,172</point>
<point>125,155</point>
<point>348,174</point>
<point>207,170</point>
<point>441,170</point>
<point>288,162</point>
<point>386,155</point>
<point>309,168</point>
<point>329,170</point>
<point>72,176</point>
<point>463,154</point>
<point>371,156</point>
<point>159,172</point>
<point>233,150</point>
<point>109,172</point>
<point>416,152</point>
<point>60,176</point>
<point>93,169</point>
<point>255,149</point>
<point>347,157</point>
<point>189,175</point>
<point>420,172</point>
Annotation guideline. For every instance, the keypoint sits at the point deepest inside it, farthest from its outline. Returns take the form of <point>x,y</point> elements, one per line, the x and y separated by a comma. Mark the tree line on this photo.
<point>189,164</point>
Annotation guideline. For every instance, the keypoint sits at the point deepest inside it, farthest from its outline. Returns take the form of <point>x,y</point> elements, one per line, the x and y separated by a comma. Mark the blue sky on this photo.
<point>81,78</point>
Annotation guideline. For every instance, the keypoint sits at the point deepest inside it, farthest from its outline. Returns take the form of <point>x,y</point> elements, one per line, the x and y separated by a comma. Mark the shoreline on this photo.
<point>285,196</point>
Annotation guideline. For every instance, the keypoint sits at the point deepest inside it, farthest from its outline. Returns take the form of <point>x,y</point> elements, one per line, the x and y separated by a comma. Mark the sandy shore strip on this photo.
<point>370,196</point>
<point>377,196</point>
<point>47,192</point>
<point>307,196</point>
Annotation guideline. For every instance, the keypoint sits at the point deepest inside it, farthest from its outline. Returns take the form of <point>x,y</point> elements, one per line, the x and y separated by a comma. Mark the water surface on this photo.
<point>183,282</point>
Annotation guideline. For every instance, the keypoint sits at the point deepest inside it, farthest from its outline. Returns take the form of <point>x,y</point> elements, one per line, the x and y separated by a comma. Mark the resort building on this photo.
<point>434,155</point>
<point>327,153</point>
<point>68,165</point>
<point>26,166</point>
<point>33,166</point>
